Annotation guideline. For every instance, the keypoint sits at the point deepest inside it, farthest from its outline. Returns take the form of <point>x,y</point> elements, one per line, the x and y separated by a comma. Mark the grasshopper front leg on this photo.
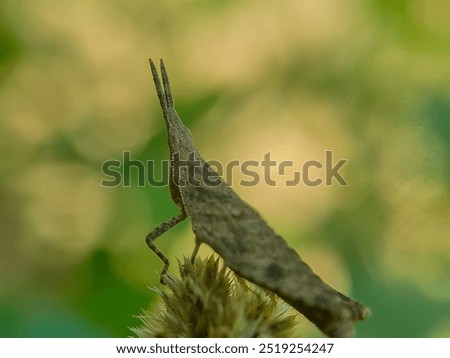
<point>158,231</point>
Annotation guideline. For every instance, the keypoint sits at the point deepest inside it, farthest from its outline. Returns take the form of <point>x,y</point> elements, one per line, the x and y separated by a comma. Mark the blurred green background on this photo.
<point>366,79</point>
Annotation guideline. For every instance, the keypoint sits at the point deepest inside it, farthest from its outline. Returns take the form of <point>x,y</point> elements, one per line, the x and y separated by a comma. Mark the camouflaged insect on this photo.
<point>238,233</point>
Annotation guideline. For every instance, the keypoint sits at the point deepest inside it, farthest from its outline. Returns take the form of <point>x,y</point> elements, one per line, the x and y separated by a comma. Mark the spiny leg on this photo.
<point>158,231</point>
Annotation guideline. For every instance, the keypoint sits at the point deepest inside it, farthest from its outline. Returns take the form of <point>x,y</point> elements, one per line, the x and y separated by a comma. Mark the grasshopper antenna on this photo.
<point>159,90</point>
<point>166,85</point>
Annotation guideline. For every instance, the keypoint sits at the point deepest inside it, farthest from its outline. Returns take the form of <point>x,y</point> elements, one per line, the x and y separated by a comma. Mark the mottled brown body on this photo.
<point>239,234</point>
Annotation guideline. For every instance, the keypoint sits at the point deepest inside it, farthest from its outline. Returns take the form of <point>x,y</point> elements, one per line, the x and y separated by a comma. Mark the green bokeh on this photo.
<point>76,91</point>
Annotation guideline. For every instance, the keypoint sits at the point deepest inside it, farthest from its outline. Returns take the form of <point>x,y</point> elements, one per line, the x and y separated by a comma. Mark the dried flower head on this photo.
<point>208,301</point>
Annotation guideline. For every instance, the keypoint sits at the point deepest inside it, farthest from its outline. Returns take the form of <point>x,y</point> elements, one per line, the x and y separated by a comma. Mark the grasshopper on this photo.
<point>239,234</point>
